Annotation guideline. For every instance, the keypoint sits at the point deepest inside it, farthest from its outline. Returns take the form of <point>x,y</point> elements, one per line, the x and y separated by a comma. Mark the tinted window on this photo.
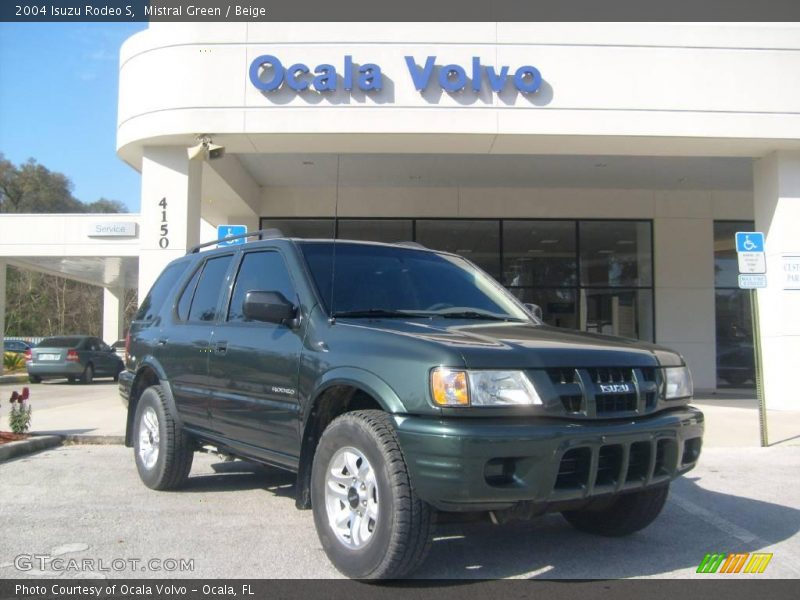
<point>616,253</point>
<point>478,241</point>
<point>186,297</point>
<point>370,278</point>
<point>539,253</point>
<point>206,296</point>
<point>263,271</point>
<point>158,293</point>
<point>60,342</point>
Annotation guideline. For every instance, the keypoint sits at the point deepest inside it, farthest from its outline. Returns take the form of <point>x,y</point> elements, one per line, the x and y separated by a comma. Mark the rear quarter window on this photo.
<point>154,301</point>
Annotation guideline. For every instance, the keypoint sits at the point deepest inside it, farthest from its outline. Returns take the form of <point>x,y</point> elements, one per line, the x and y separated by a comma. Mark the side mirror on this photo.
<point>535,310</point>
<point>270,307</point>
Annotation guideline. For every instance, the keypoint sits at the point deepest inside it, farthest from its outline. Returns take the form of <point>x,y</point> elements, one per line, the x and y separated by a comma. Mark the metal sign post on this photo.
<point>752,275</point>
<point>762,405</point>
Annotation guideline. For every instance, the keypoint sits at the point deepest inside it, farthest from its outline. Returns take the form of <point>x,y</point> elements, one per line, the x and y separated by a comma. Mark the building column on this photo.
<point>684,290</point>
<point>170,211</point>
<point>2,308</point>
<point>776,187</point>
<point>113,314</point>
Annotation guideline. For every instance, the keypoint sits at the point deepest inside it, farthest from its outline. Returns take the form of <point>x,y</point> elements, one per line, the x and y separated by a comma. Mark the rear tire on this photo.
<point>34,379</point>
<point>163,453</point>
<point>71,379</point>
<point>369,519</point>
<point>627,514</point>
<point>88,374</point>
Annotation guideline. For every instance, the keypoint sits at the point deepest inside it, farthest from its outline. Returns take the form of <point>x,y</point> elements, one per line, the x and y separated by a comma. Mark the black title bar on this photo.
<point>445,11</point>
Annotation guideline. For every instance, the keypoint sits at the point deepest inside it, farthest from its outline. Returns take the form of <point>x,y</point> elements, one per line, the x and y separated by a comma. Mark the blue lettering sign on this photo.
<point>268,74</point>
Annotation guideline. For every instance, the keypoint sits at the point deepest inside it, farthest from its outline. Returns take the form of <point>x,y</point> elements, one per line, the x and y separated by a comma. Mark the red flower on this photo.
<point>25,393</point>
<point>14,397</point>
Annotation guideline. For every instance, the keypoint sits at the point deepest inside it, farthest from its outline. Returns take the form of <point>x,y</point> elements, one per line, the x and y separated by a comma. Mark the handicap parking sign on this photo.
<point>749,241</point>
<point>226,231</point>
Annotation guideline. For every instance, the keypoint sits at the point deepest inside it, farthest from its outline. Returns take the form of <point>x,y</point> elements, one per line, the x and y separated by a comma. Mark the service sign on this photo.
<point>790,268</point>
<point>112,229</point>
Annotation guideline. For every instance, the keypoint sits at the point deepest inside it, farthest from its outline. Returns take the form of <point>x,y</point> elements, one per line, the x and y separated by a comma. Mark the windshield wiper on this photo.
<point>378,313</point>
<point>473,314</point>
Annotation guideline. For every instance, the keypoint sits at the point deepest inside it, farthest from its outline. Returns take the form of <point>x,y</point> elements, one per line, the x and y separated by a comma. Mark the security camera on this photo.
<point>215,151</point>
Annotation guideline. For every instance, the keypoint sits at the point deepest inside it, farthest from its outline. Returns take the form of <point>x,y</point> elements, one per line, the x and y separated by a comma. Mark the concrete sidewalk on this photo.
<point>97,410</point>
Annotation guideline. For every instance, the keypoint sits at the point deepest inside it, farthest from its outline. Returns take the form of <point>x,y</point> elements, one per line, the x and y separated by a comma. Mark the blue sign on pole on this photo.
<point>226,231</point>
<point>749,241</point>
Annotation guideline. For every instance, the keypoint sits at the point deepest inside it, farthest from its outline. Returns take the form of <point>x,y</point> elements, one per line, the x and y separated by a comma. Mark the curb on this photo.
<point>33,444</point>
<point>94,440</point>
<point>14,378</point>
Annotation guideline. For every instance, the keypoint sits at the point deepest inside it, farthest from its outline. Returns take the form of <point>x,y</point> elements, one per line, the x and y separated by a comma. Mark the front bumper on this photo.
<point>472,464</point>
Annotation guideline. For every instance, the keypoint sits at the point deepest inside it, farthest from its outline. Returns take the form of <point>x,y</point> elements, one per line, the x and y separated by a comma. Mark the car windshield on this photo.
<point>389,282</point>
<point>60,342</point>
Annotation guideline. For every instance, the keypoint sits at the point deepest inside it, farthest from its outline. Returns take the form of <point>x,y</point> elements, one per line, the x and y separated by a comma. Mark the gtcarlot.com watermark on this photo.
<point>46,562</point>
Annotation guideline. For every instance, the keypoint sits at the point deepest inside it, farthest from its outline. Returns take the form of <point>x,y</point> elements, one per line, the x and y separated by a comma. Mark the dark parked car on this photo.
<point>17,346</point>
<point>76,357</point>
<point>396,382</point>
<point>119,348</point>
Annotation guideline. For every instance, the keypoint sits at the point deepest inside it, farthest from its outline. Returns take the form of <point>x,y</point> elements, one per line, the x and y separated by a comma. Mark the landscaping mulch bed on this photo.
<point>7,436</point>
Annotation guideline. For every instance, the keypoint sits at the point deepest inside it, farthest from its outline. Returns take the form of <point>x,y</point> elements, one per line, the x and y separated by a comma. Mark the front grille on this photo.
<point>575,469</point>
<point>605,392</point>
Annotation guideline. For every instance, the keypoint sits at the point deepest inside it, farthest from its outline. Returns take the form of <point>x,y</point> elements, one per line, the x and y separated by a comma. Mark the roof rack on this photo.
<point>263,234</point>
<point>411,245</point>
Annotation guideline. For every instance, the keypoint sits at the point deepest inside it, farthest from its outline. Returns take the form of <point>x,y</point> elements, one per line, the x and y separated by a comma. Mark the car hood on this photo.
<point>526,345</point>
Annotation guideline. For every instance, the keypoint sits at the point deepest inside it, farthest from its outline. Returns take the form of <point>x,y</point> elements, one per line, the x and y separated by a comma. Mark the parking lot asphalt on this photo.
<point>235,519</point>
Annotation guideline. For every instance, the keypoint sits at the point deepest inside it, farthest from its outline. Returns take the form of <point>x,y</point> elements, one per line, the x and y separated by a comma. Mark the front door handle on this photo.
<point>162,341</point>
<point>221,347</point>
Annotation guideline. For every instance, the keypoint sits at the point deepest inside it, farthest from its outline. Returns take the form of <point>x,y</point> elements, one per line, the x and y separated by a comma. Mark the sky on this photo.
<point>58,104</point>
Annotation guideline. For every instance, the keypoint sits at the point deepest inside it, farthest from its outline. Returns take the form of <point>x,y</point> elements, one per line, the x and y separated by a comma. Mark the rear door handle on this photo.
<point>221,347</point>
<point>162,341</point>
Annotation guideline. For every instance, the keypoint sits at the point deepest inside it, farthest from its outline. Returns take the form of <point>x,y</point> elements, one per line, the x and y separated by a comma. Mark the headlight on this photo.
<point>679,382</point>
<point>482,388</point>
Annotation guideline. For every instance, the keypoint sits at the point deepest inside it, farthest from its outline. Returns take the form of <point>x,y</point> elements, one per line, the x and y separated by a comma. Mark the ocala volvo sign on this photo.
<point>268,74</point>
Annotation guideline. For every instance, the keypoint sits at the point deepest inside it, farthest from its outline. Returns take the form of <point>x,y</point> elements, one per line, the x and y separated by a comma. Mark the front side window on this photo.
<point>206,295</point>
<point>260,271</point>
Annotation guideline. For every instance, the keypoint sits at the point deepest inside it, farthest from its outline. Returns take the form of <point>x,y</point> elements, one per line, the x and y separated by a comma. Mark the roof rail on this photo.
<point>263,234</point>
<point>411,245</point>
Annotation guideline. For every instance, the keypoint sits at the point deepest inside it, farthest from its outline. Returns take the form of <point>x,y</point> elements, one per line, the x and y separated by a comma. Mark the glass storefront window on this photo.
<point>589,275</point>
<point>627,313</point>
<point>558,305</point>
<point>539,253</point>
<point>735,356</point>
<point>478,241</point>
<point>301,228</point>
<point>376,230</point>
<point>726,265</point>
<point>616,253</point>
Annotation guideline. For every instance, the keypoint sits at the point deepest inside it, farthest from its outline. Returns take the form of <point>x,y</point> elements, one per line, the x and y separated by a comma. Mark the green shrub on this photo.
<point>13,361</point>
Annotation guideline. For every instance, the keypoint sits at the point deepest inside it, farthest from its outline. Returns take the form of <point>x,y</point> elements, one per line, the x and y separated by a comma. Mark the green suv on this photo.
<point>396,382</point>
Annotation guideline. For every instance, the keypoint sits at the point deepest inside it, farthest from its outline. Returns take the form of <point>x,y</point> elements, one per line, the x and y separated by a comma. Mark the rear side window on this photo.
<point>264,271</point>
<point>185,301</point>
<point>154,300</point>
<point>206,295</point>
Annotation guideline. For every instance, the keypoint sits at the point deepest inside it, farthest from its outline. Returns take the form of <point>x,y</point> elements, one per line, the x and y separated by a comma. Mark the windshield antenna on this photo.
<point>332,319</point>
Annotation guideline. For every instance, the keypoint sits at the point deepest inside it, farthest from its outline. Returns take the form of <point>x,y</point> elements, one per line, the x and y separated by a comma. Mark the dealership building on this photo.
<point>598,170</point>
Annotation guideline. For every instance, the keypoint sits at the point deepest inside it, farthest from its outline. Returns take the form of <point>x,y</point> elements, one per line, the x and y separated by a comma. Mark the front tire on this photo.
<point>627,514</point>
<point>369,520</point>
<point>34,379</point>
<point>163,452</point>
